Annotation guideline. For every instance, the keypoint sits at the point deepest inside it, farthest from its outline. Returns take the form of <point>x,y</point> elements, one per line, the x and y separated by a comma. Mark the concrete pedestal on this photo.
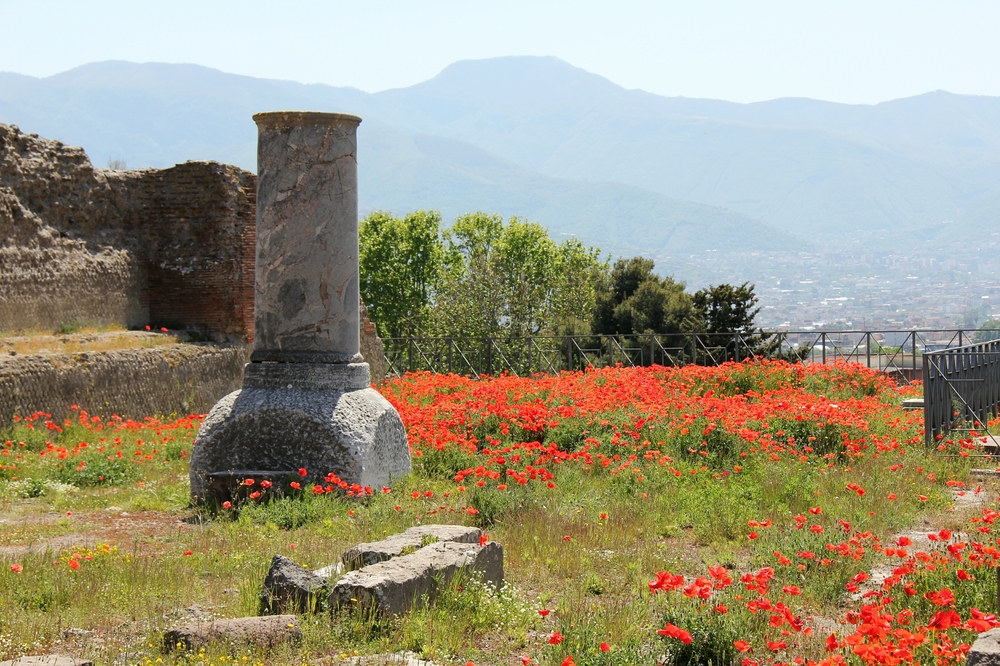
<point>306,400</point>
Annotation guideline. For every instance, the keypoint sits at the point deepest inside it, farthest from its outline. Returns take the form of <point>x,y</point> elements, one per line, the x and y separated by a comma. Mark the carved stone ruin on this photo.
<point>306,400</point>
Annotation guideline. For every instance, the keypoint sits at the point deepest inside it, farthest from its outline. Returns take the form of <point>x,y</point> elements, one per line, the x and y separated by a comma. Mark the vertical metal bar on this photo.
<point>451,343</point>
<point>411,354</point>
<point>868,349</point>
<point>823,343</point>
<point>928,402</point>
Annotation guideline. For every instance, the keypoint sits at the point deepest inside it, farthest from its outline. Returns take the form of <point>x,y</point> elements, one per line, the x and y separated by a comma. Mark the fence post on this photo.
<point>868,349</point>
<point>410,350</point>
<point>822,337</point>
<point>928,403</point>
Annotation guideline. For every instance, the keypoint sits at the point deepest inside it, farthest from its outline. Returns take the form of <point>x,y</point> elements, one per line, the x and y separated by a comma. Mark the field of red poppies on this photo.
<point>748,514</point>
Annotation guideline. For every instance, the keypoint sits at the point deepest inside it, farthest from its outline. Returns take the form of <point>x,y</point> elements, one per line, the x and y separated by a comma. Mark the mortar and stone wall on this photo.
<point>152,246</point>
<point>133,383</point>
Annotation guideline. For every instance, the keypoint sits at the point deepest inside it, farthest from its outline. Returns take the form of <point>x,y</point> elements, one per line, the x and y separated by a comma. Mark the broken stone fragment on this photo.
<point>395,586</point>
<point>47,660</point>
<point>290,588</point>
<point>986,650</point>
<point>406,542</point>
<point>264,632</point>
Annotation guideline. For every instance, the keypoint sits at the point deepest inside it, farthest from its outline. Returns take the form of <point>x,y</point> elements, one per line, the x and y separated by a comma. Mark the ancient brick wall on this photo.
<point>184,378</point>
<point>64,251</point>
<point>196,224</point>
<point>151,246</point>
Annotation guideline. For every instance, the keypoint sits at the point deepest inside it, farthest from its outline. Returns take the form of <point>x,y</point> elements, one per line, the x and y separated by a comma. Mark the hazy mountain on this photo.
<point>815,167</point>
<point>540,138</point>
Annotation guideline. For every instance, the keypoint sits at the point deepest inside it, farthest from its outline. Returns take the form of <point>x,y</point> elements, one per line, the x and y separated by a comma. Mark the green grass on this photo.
<point>585,550</point>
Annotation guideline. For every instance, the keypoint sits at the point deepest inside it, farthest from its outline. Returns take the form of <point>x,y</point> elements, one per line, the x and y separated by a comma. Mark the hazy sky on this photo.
<point>743,51</point>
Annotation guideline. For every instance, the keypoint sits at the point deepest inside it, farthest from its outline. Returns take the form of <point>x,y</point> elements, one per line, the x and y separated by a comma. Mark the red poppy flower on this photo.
<point>675,632</point>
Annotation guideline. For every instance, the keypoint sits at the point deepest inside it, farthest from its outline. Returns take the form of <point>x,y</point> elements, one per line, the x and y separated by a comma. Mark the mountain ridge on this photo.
<point>789,168</point>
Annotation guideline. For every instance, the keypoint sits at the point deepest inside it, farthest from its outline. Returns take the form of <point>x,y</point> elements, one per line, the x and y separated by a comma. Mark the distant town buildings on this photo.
<point>863,289</point>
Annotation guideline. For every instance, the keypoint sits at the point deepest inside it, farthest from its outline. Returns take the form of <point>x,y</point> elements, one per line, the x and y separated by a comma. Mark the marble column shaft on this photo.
<point>306,286</point>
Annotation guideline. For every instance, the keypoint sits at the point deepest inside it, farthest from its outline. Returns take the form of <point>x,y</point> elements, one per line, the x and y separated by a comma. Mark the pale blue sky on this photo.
<point>846,51</point>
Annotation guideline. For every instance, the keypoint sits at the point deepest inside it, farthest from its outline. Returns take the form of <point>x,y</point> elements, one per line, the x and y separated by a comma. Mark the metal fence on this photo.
<point>961,388</point>
<point>898,353</point>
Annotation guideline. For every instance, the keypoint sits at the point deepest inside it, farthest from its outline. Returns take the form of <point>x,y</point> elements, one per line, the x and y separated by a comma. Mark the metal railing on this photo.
<point>961,389</point>
<point>895,352</point>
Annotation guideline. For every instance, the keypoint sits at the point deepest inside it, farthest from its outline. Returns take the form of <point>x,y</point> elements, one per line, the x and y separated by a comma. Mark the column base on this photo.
<point>317,416</point>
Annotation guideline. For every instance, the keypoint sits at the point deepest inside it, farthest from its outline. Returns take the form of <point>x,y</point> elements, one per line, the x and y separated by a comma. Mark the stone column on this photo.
<point>306,401</point>
<point>306,301</point>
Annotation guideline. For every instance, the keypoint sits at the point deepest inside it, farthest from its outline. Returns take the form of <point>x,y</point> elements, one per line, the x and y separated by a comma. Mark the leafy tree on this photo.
<point>725,311</point>
<point>580,272</point>
<point>400,263</point>
<point>633,299</point>
<point>509,280</point>
<point>987,332</point>
<point>497,280</point>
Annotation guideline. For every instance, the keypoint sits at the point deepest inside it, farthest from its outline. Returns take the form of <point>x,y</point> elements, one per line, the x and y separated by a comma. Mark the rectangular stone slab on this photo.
<point>379,551</point>
<point>395,586</point>
<point>264,632</point>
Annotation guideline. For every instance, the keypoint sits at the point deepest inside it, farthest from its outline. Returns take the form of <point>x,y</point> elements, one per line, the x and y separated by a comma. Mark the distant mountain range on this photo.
<point>537,137</point>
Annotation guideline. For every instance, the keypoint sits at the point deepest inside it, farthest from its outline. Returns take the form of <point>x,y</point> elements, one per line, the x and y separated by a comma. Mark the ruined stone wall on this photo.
<point>63,250</point>
<point>184,378</point>
<point>152,246</point>
<point>195,223</point>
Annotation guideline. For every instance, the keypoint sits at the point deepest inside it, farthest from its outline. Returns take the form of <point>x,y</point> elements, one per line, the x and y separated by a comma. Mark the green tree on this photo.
<point>580,273</point>
<point>400,264</point>
<point>721,313</point>
<point>509,280</point>
<point>633,299</point>
<point>498,278</point>
<point>987,332</point>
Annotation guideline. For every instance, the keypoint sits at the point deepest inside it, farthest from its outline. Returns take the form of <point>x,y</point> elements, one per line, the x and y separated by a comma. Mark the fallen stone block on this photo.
<point>985,651</point>
<point>47,660</point>
<point>395,586</point>
<point>264,632</point>
<point>411,540</point>
<point>289,588</point>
